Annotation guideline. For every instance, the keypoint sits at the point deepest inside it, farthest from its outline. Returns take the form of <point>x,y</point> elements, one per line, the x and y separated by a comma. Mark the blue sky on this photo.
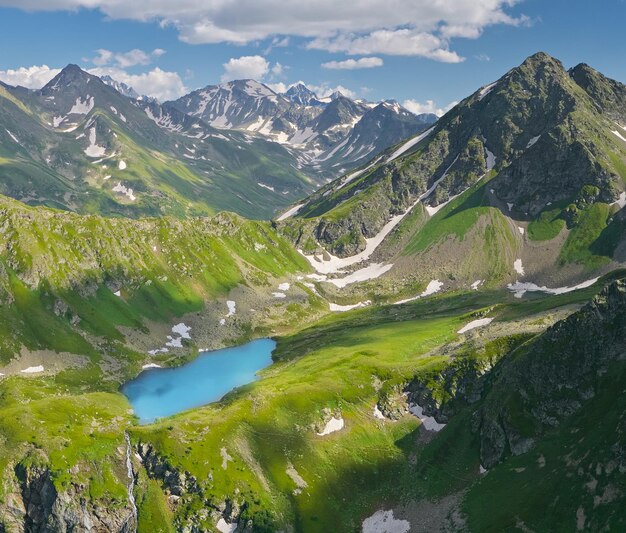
<point>416,52</point>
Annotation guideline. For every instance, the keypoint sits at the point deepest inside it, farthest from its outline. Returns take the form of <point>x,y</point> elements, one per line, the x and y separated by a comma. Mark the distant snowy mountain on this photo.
<point>301,94</point>
<point>323,133</point>
<point>120,87</point>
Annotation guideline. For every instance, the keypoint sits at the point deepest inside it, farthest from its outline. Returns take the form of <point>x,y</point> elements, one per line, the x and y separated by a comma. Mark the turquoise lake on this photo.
<point>159,392</point>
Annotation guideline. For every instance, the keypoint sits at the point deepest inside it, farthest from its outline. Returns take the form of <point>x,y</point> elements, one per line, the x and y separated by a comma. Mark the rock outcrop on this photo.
<point>538,386</point>
<point>35,505</point>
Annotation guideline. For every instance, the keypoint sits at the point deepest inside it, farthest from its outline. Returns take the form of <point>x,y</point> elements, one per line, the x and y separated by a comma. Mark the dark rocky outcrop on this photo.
<point>174,481</point>
<point>538,386</point>
<point>37,506</point>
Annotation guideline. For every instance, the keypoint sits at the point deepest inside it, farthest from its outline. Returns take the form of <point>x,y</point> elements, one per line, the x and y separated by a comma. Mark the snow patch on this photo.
<point>621,201</point>
<point>268,187</point>
<point>429,422</point>
<point>519,268</point>
<point>378,413</point>
<point>232,307</point>
<point>174,342</point>
<point>122,165</point>
<point>82,108</point>
<point>491,159</point>
<point>335,264</point>
<point>290,212</point>
<point>13,136</point>
<point>521,230</point>
<point>284,286</point>
<point>93,150</point>
<point>519,289</point>
<point>279,295</point>
<point>342,308</point>
<point>182,330</point>
<point>150,365</point>
<point>532,141</point>
<point>384,522</point>
<point>433,287</point>
<point>619,135</point>
<point>477,284</point>
<point>125,190</point>
<point>372,271</point>
<point>409,144</point>
<point>333,425</point>
<point>226,527</point>
<point>475,324</point>
<point>33,369</point>
<point>486,90</point>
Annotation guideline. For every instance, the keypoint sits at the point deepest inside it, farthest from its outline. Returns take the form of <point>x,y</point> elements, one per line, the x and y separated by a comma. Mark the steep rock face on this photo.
<point>327,136</point>
<point>36,506</point>
<point>176,483</point>
<point>538,386</point>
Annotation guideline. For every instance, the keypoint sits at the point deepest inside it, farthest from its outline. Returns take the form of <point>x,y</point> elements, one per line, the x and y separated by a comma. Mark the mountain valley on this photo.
<point>447,297</point>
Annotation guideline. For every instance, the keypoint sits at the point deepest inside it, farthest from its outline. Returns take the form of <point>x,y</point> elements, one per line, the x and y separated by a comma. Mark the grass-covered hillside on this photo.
<point>256,458</point>
<point>89,286</point>
<point>79,145</point>
<point>439,366</point>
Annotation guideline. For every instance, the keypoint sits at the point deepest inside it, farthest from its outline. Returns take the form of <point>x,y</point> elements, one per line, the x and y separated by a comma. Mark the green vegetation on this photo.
<point>547,225</point>
<point>578,246</point>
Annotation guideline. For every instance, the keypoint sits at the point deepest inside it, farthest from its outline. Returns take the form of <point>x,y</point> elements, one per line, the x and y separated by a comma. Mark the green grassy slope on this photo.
<point>184,169</point>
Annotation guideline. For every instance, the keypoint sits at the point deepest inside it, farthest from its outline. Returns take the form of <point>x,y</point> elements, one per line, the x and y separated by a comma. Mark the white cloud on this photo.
<point>279,87</point>
<point>158,83</point>
<point>427,107</point>
<point>277,69</point>
<point>277,42</point>
<point>128,59</point>
<point>401,42</point>
<point>244,67</point>
<point>34,77</point>
<point>396,27</point>
<point>352,64</point>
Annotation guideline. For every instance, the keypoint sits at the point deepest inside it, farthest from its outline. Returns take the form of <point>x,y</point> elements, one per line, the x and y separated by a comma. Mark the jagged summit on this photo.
<point>318,129</point>
<point>71,75</point>
<point>301,94</point>
<point>121,87</point>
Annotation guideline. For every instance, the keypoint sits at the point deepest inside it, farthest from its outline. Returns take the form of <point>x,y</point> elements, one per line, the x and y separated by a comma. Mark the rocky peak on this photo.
<point>609,95</point>
<point>120,87</point>
<point>72,76</point>
<point>301,94</point>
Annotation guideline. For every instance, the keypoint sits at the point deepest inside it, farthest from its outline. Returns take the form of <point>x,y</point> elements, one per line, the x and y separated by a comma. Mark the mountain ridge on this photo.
<point>532,149</point>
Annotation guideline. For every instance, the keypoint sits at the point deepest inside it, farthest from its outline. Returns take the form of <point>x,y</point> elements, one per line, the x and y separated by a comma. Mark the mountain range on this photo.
<point>449,310</point>
<point>328,134</point>
<point>94,146</point>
